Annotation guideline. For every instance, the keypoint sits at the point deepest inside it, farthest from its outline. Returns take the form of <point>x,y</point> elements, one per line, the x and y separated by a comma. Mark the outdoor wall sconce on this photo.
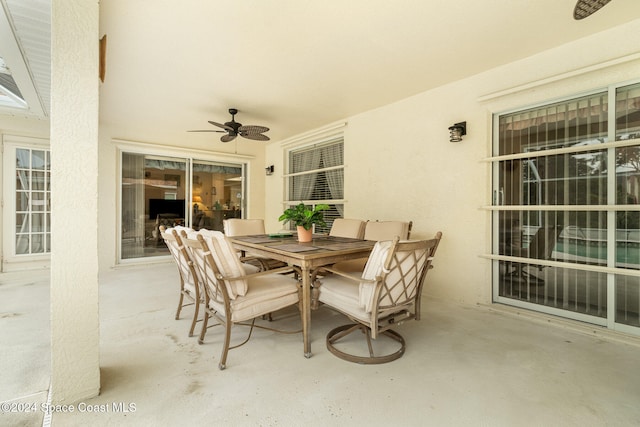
<point>456,131</point>
<point>269,170</point>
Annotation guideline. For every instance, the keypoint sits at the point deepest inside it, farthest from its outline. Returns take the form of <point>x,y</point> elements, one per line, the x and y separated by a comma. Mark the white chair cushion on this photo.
<point>373,269</point>
<point>351,296</point>
<point>342,227</point>
<point>266,294</point>
<point>227,261</point>
<point>354,267</point>
<point>343,295</point>
<point>243,227</point>
<point>386,230</point>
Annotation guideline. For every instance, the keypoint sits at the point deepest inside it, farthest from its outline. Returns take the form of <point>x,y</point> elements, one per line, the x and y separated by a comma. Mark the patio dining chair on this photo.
<point>190,288</point>
<point>386,295</point>
<point>246,227</point>
<point>233,297</point>
<point>344,227</point>
<point>387,230</point>
<point>376,231</point>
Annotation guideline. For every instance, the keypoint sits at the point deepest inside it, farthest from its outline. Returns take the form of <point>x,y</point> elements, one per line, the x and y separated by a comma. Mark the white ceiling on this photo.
<point>295,65</point>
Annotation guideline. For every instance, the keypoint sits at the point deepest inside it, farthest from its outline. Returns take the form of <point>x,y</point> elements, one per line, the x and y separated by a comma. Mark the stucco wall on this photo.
<point>400,164</point>
<point>74,153</point>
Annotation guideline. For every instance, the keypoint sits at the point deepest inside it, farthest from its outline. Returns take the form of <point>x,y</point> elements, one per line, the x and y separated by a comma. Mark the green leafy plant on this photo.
<point>303,216</point>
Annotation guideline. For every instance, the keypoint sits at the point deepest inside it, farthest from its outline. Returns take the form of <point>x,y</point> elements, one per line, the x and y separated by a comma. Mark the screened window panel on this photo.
<point>572,290</point>
<point>577,122</point>
<point>628,177</point>
<point>564,179</point>
<point>628,300</point>
<point>628,112</point>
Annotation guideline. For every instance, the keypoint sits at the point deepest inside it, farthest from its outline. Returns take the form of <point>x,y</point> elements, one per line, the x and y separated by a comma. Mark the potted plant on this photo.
<point>304,218</point>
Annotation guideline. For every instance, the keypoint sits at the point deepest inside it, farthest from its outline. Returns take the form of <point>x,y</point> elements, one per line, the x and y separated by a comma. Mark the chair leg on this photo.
<point>195,318</point>
<point>179,306</point>
<point>367,334</point>
<point>225,349</point>
<point>341,331</point>
<point>203,331</point>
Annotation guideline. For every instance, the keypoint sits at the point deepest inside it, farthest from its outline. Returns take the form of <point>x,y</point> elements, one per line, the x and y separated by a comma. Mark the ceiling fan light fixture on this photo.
<point>585,8</point>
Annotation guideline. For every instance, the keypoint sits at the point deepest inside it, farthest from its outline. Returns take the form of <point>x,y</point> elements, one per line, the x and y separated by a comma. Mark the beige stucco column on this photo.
<point>75,373</point>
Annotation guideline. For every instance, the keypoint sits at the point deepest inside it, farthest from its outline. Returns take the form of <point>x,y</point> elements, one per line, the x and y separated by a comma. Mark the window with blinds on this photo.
<point>566,211</point>
<point>316,175</point>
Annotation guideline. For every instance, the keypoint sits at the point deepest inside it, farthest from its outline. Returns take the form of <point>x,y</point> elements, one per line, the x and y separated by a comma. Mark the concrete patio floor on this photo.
<point>464,365</point>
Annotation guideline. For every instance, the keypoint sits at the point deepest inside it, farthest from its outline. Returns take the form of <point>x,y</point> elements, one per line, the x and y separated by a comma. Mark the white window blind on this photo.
<point>316,175</point>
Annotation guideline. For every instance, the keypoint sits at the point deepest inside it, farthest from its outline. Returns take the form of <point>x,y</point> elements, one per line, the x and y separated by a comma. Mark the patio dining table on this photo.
<point>308,257</point>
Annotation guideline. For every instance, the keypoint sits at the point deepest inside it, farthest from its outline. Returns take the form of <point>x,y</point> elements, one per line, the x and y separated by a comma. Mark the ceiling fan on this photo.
<point>585,8</point>
<point>233,129</point>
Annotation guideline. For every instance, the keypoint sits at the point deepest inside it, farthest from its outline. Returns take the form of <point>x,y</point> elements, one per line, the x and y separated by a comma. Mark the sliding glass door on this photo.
<point>567,208</point>
<point>161,190</point>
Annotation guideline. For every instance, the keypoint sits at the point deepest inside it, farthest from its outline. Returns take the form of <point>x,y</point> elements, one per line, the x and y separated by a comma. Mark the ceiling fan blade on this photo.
<point>252,129</point>
<point>227,138</point>
<point>585,8</point>
<point>225,127</point>
<point>255,136</point>
<point>208,130</point>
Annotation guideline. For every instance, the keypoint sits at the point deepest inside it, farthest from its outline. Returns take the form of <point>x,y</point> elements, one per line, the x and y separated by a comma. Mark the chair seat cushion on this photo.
<point>343,295</point>
<point>351,266</point>
<point>265,294</point>
<point>354,297</point>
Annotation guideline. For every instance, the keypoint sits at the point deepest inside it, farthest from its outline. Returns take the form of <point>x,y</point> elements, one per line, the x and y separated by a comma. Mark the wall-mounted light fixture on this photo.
<point>456,131</point>
<point>269,170</point>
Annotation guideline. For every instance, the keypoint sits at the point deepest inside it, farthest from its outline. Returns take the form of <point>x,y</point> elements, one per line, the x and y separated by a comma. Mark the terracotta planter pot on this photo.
<point>304,235</point>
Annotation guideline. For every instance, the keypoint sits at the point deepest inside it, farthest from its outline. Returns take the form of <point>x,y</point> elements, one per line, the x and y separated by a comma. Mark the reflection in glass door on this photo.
<point>153,194</point>
<point>170,191</point>
<point>216,194</point>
